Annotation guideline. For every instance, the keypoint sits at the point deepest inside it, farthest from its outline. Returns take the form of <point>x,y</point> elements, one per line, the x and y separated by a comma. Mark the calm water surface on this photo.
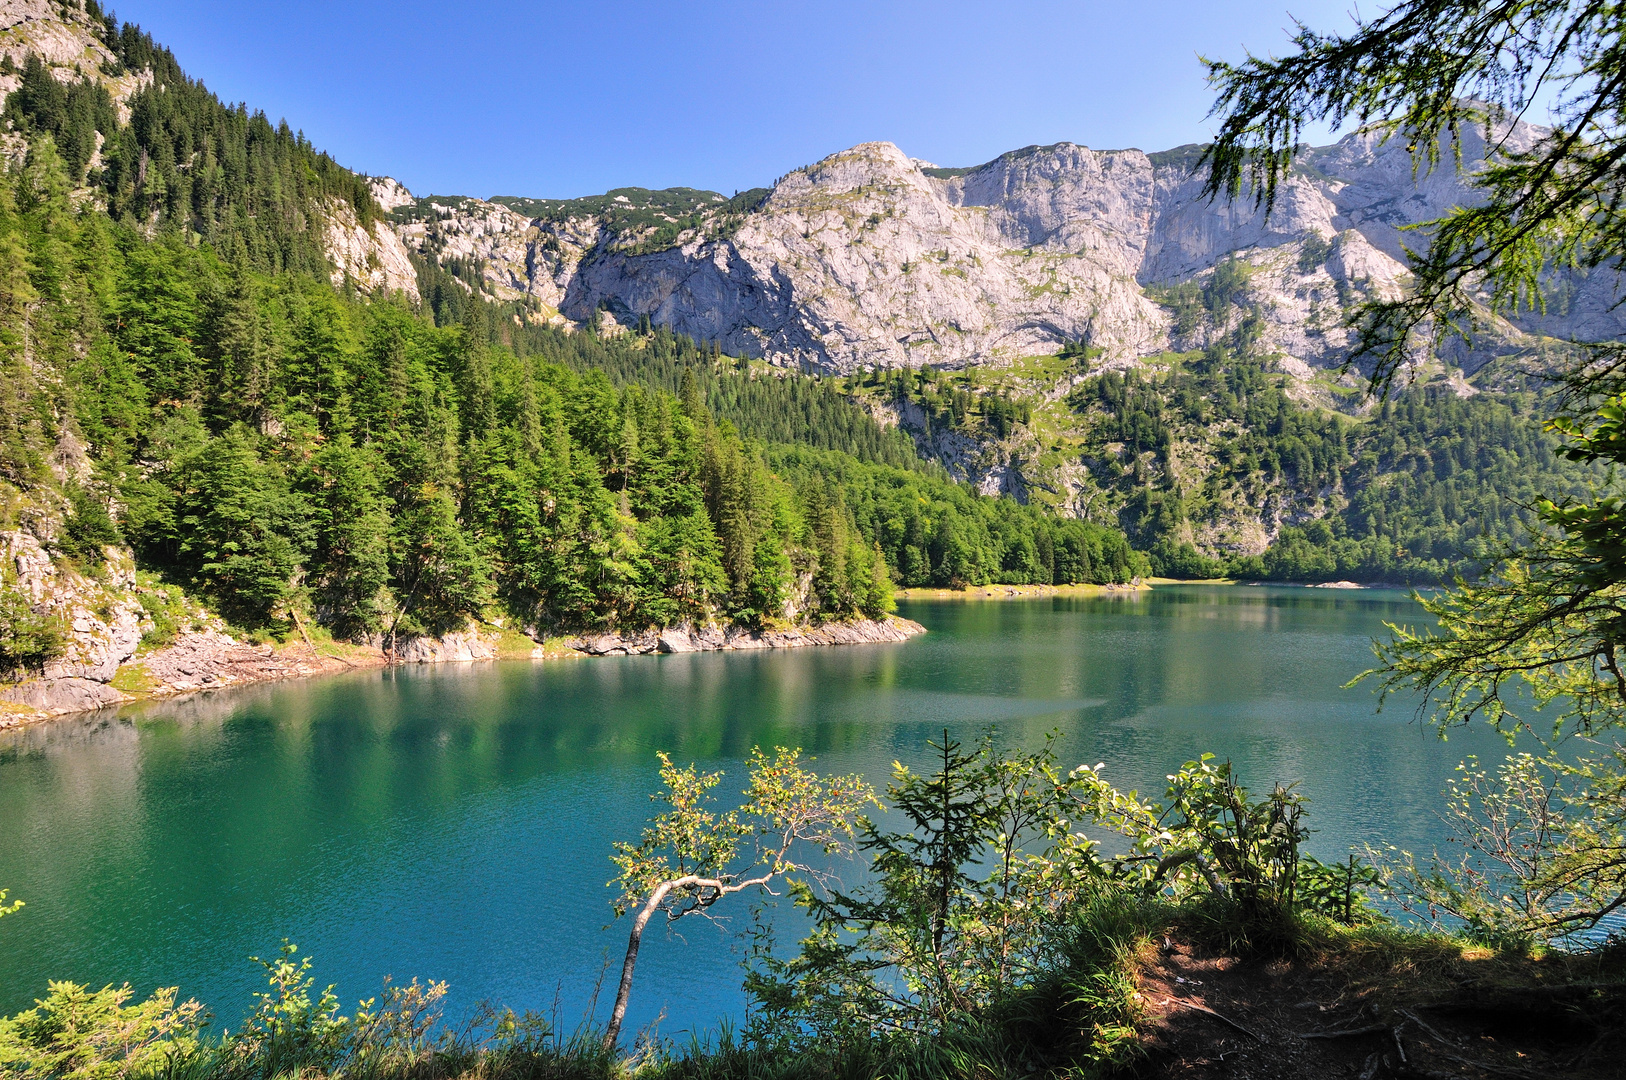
<point>455,822</point>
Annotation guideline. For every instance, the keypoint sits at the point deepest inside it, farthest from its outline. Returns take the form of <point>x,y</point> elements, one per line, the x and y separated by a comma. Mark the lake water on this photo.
<point>454,822</point>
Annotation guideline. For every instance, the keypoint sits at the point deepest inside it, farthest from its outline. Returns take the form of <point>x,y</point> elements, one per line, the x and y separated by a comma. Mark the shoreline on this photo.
<point>1138,585</point>
<point>201,661</point>
<point>1022,592</point>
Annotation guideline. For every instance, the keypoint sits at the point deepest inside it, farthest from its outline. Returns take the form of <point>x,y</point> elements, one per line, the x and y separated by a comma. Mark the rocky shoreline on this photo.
<point>124,638</point>
<point>688,639</point>
<point>1020,592</point>
<point>210,659</point>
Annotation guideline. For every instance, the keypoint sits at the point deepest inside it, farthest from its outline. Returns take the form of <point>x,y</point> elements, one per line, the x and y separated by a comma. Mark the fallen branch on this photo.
<point>1346,1033</point>
<point>1217,1016</point>
<point>1498,1070</point>
<point>1428,1030</point>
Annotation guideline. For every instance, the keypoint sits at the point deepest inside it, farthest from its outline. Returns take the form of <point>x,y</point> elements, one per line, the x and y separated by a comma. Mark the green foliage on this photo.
<point>1542,835</point>
<point>72,114</point>
<point>965,905</point>
<point>88,529</point>
<point>28,639</point>
<point>689,856</point>
<point>1341,891</point>
<point>1540,631</point>
<point>939,534</point>
<point>1314,252</point>
<point>1429,482</point>
<point>957,408</point>
<point>1434,72</point>
<point>1210,837</point>
<point>991,925</point>
<point>771,405</point>
<point>75,1033</point>
<point>188,162</point>
<point>166,611</point>
<point>644,220</point>
<point>1539,842</point>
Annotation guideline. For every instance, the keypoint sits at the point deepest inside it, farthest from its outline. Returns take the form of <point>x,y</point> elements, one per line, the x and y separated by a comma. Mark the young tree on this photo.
<point>691,856</point>
<point>960,906</point>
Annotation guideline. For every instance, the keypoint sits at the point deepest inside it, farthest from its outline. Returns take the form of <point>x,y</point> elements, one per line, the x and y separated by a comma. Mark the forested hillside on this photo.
<point>1417,489</point>
<point>184,160</point>
<point>181,377</point>
<point>1216,465</point>
<point>290,452</point>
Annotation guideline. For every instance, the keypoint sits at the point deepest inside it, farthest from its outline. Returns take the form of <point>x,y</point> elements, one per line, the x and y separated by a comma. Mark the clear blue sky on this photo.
<point>502,97</point>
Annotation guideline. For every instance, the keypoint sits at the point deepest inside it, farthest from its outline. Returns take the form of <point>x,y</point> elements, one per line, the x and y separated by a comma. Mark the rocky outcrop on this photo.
<point>100,621</point>
<point>687,639</point>
<point>69,43</point>
<point>371,257</point>
<point>459,646</point>
<point>869,258</point>
<point>210,659</point>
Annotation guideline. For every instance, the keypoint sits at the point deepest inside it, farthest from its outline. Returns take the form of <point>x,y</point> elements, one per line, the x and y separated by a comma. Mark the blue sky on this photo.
<point>500,97</point>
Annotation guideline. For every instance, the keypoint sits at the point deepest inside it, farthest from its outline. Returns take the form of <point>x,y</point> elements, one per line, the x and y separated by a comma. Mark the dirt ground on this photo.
<point>1263,1020</point>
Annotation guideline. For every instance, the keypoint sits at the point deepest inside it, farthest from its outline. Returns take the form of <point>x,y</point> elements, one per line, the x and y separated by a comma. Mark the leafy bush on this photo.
<point>75,1033</point>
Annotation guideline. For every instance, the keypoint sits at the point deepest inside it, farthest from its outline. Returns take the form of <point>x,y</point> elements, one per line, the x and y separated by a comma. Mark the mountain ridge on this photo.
<point>1036,248</point>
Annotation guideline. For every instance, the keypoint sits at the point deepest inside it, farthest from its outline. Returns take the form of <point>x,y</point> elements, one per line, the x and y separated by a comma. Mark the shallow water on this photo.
<point>455,822</point>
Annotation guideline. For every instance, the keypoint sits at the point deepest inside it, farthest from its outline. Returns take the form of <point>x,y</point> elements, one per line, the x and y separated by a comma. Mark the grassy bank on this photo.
<point>1134,987</point>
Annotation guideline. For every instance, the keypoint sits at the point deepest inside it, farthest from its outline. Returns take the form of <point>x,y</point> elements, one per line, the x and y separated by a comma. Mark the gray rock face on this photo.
<point>688,639</point>
<point>56,696</point>
<point>459,646</point>
<point>870,258</point>
<point>371,256</point>
<point>101,620</point>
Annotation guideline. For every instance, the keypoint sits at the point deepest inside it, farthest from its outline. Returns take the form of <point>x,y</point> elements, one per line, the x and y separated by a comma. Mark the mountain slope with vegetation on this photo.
<point>312,402</point>
<point>185,383</point>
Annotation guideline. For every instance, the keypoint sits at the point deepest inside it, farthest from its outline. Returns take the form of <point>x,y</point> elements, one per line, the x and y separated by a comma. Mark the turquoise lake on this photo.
<point>455,822</point>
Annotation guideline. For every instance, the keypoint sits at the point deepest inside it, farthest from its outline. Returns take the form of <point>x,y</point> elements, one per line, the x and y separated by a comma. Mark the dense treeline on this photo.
<point>774,406</point>
<point>933,533</point>
<point>215,172</point>
<point>1419,487</point>
<point>290,451</point>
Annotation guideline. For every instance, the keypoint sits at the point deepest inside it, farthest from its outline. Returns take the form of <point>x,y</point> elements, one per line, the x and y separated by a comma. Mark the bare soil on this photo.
<point>1215,1016</point>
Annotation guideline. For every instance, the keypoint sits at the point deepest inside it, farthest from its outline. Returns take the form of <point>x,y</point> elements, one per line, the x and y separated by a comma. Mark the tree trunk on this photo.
<point>634,939</point>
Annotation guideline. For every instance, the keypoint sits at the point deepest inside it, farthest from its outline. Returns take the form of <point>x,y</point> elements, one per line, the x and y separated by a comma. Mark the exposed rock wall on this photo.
<point>687,639</point>
<point>372,257</point>
<point>870,258</point>
<point>101,622</point>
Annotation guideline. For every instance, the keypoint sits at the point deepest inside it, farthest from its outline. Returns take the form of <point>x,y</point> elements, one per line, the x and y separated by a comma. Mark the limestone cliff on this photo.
<point>869,258</point>
<point>369,257</point>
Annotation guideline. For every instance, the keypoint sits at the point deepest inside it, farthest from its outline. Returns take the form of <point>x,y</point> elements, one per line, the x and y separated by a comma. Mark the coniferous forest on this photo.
<point>284,448</point>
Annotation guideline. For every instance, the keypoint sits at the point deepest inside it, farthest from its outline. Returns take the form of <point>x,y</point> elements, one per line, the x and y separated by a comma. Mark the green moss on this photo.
<point>133,679</point>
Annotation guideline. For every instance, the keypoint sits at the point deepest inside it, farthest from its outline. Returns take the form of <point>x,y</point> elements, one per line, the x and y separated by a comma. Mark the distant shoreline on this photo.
<point>1022,592</point>
<point>1032,592</point>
